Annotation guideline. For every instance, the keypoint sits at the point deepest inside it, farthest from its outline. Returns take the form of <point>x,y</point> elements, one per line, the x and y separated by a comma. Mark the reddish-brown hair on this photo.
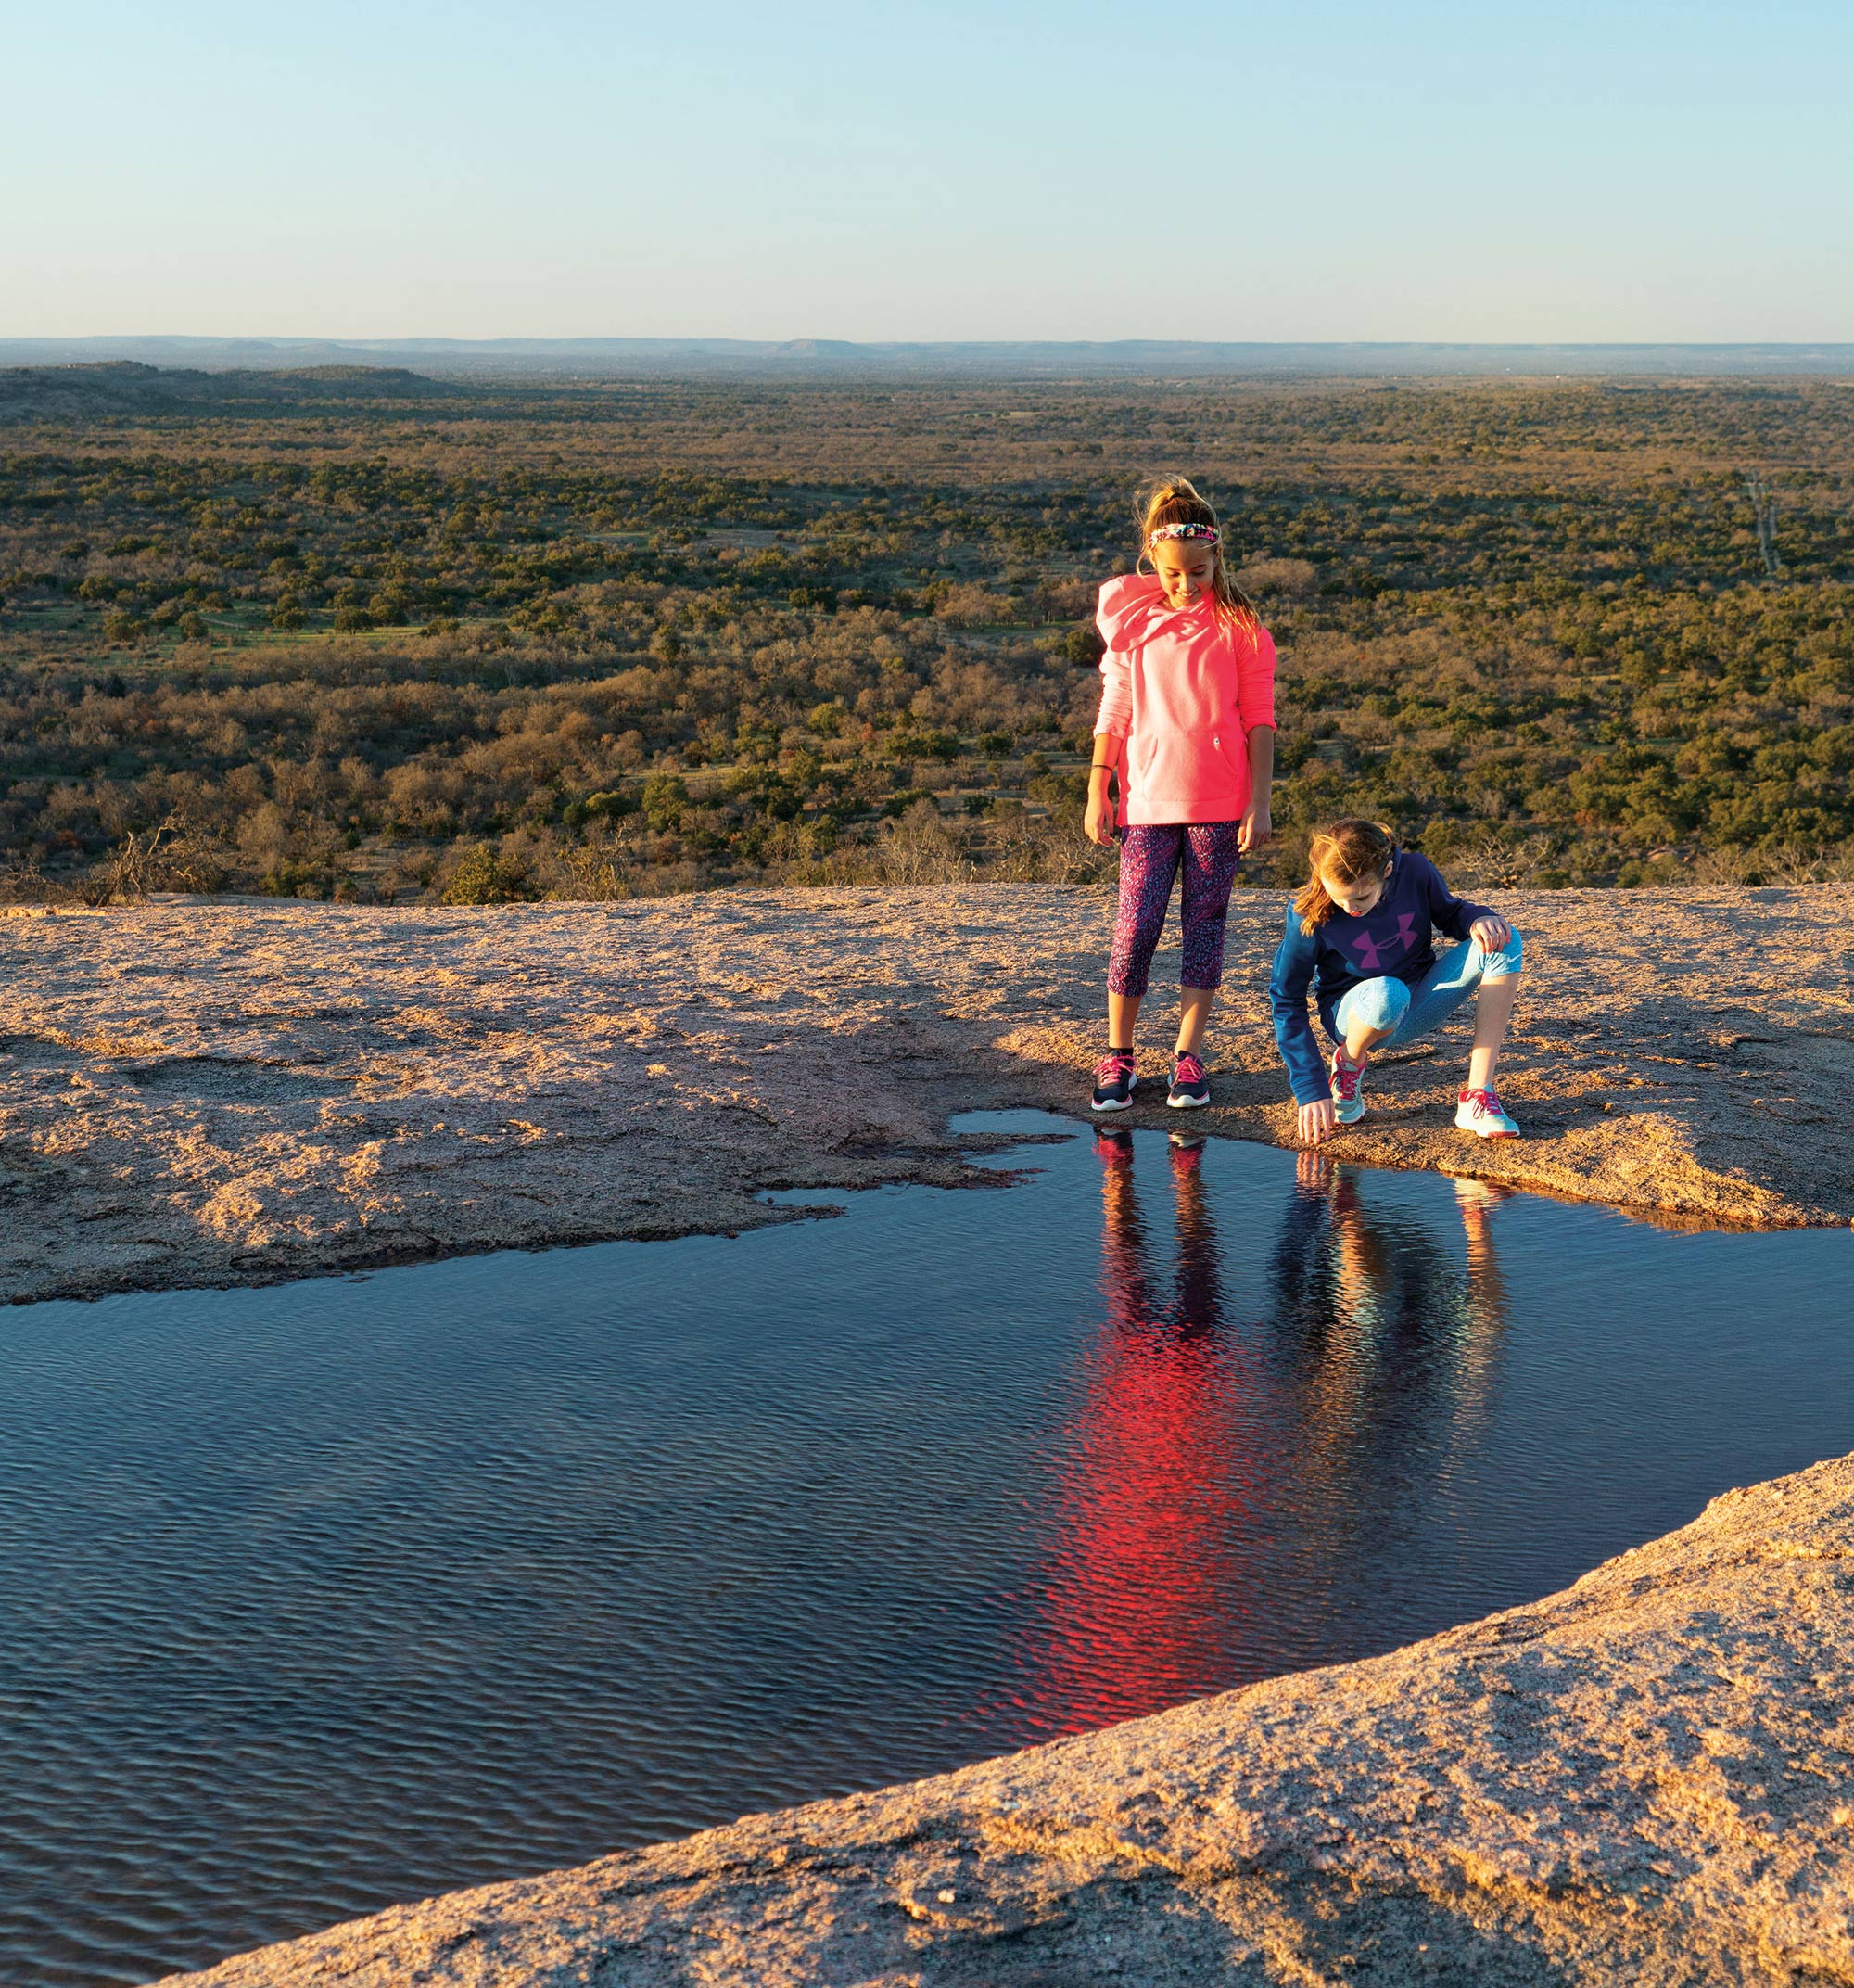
<point>1350,851</point>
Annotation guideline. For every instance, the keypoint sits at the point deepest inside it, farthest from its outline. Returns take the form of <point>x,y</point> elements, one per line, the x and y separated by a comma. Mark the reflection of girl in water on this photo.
<point>1393,1342</point>
<point>1222,1483</point>
<point>1136,1615</point>
<point>1195,1309</point>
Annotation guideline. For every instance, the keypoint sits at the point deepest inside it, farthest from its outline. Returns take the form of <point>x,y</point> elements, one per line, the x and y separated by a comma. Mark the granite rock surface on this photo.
<point>1646,1779</point>
<point>196,1093</point>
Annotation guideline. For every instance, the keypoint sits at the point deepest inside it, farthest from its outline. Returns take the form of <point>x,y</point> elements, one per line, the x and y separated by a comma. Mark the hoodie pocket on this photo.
<point>1142,752</point>
<point>1189,768</point>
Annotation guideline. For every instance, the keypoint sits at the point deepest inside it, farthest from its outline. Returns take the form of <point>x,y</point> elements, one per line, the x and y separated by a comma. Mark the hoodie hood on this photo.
<point>1127,603</point>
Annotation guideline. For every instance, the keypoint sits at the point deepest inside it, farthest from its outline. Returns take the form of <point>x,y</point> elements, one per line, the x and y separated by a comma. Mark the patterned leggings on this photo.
<point>1149,858</point>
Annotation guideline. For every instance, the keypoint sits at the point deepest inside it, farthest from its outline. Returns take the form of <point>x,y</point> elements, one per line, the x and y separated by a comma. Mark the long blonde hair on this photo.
<point>1175,501</point>
<point>1352,850</point>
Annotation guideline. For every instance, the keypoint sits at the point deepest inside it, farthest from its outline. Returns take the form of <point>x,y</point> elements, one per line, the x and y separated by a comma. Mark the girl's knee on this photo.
<point>1136,939</point>
<point>1203,934</point>
<point>1138,936</point>
<point>1379,1003</point>
<point>1504,962</point>
<point>1203,963</point>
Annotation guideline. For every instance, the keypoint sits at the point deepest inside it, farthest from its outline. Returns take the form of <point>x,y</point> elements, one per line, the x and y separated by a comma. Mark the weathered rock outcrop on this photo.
<point>1649,1778</point>
<point>198,1093</point>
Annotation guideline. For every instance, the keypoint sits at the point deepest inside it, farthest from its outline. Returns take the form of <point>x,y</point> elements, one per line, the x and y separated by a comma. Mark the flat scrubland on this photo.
<point>367,636</point>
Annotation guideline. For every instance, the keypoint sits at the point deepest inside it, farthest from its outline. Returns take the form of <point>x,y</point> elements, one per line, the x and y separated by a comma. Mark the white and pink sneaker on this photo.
<point>1347,1075</point>
<point>1482,1113</point>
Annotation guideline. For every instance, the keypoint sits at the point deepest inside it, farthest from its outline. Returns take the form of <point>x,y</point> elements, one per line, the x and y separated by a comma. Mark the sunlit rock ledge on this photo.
<point>1649,1778</point>
<point>194,1092</point>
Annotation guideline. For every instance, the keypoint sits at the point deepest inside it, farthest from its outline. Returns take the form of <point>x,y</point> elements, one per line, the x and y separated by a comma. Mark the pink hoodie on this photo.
<point>1185,690</point>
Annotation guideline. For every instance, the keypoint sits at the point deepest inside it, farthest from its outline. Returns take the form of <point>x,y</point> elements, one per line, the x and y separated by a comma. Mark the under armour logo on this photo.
<point>1374,949</point>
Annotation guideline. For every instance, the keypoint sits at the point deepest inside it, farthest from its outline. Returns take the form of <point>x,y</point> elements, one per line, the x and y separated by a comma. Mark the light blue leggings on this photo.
<point>1408,1011</point>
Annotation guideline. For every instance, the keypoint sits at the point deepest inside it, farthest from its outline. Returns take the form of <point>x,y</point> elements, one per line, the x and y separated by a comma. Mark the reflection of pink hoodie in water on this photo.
<point>1184,690</point>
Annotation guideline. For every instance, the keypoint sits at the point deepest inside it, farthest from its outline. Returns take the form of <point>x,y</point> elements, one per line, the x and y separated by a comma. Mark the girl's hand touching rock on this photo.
<point>1317,1120</point>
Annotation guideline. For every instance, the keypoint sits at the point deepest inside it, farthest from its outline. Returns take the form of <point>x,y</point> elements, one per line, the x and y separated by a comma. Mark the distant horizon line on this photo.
<point>818,342</point>
<point>603,354</point>
<point>818,339</point>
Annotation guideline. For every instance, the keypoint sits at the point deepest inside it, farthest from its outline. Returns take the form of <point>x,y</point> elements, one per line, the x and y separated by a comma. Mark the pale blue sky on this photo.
<point>1319,169</point>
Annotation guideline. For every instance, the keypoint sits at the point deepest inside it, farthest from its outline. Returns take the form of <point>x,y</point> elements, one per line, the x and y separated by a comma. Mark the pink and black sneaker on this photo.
<point>1480,1111</point>
<point>1114,1081</point>
<point>1191,1087</point>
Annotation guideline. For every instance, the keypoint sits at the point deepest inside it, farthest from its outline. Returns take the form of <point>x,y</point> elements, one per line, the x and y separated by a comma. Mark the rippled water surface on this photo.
<point>318,1596</point>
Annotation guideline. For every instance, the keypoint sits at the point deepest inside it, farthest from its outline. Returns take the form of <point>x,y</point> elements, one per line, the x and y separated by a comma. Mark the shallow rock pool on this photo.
<point>325,1595</point>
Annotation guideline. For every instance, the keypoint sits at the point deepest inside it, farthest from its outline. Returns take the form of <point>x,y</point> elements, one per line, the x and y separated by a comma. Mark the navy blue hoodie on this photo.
<point>1393,937</point>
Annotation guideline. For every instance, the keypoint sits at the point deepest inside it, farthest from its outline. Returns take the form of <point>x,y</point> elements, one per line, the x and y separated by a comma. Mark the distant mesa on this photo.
<point>133,387</point>
<point>814,348</point>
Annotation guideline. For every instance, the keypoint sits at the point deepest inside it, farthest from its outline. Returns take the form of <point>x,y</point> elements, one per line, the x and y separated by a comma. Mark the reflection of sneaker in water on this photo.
<point>1188,1152</point>
<point>1114,1081</point>
<point>1191,1087</point>
<point>1113,1145</point>
<point>1347,1077</point>
<point>1479,1197</point>
<point>1480,1111</point>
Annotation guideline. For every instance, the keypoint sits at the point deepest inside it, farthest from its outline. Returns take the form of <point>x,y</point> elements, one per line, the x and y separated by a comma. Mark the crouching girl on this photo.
<point>1359,934</point>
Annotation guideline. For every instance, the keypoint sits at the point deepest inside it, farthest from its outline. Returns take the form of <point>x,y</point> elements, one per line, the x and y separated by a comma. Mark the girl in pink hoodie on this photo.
<point>1187,724</point>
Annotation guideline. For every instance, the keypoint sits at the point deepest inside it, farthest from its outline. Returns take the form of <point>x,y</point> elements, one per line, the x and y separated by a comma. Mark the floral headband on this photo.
<point>1208,533</point>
